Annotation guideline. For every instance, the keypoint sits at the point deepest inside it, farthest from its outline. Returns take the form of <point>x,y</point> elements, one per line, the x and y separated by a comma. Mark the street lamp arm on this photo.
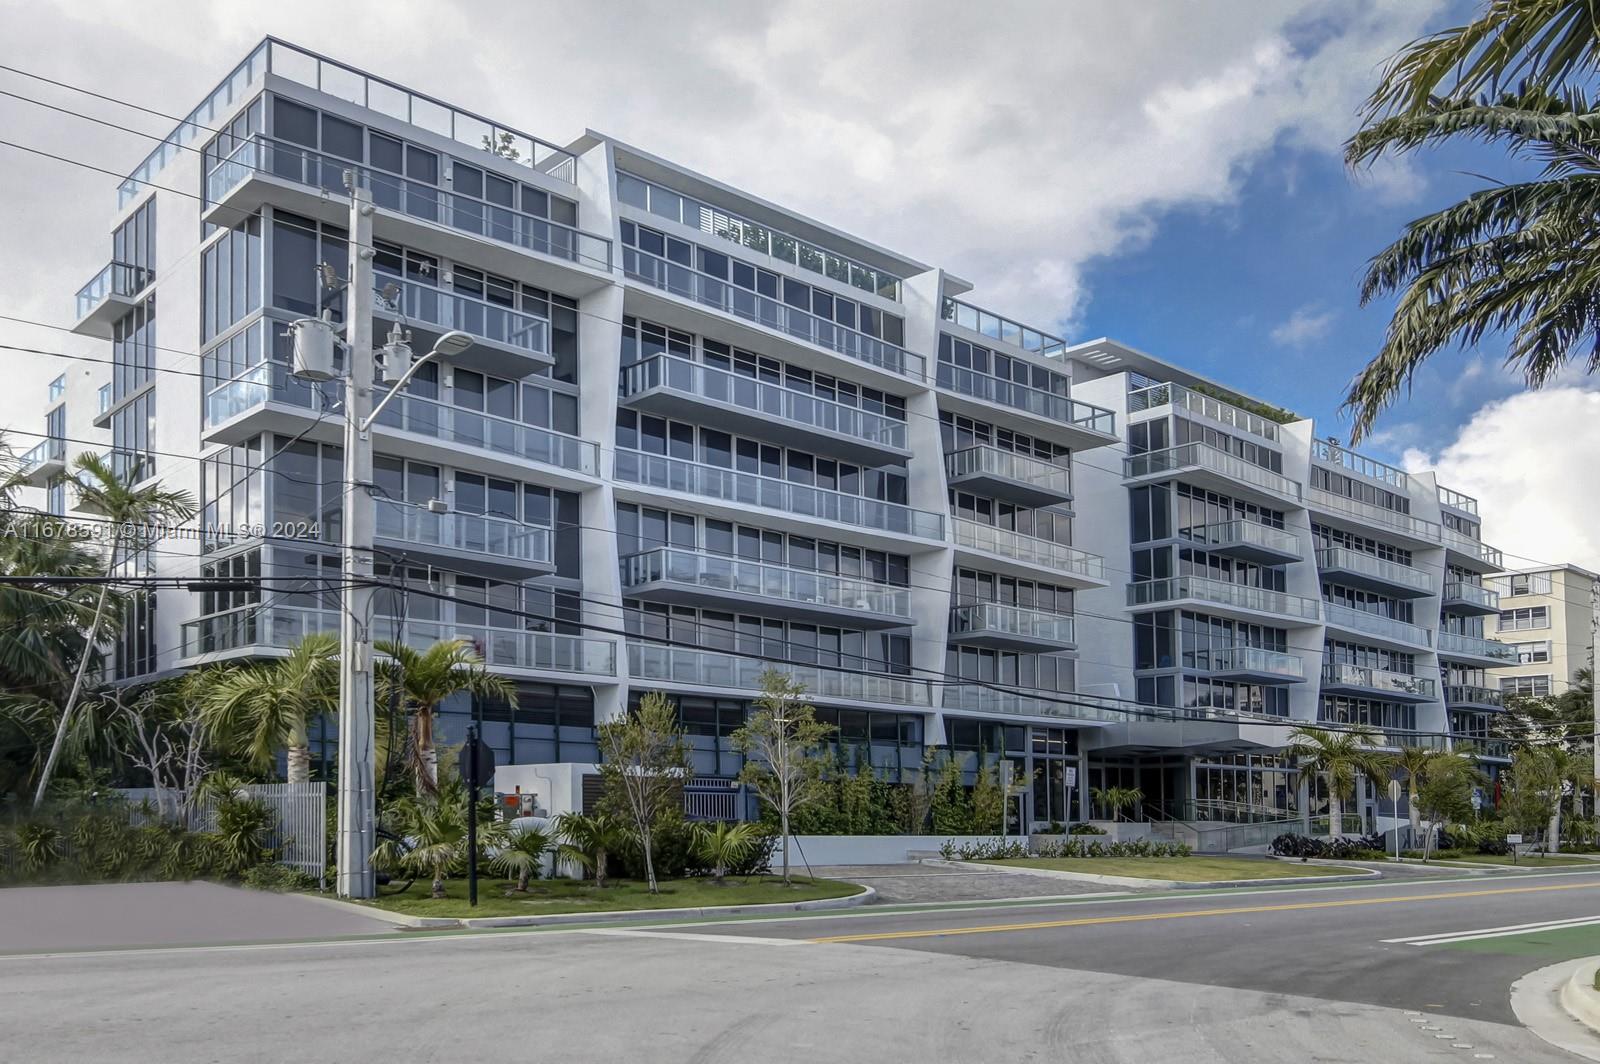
<point>366,423</point>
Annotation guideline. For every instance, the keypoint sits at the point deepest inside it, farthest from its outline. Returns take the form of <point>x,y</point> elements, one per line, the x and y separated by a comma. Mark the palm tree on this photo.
<point>1337,756</point>
<point>271,704</point>
<point>422,680</point>
<point>1565,768</point>
<point>1117,800</point>
<point>590,840</point>
<point>1414,762</point>
<point>521,855</point>
<point>1518,258</point>
<point>41,629</point>
<point>724,846</point>
<point>136,517</point>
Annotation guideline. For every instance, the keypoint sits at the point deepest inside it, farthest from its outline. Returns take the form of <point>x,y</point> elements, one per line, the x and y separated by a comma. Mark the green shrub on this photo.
<point>1086,829</point>
<point>241,836</point>
<point>38,846</point>
<point>280,879</point>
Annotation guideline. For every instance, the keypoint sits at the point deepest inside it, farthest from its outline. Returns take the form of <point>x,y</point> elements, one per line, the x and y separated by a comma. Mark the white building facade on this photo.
<point>699,434</point>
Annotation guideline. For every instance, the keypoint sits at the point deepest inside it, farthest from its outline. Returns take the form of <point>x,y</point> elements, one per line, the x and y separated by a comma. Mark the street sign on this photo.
<point>1513,840</point>
<point>1072,776</point>
<point>1394,790</point>
<point>485,762</point>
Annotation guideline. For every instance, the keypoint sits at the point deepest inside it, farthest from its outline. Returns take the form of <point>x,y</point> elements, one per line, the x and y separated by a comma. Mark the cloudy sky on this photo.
<point>1166,173</point>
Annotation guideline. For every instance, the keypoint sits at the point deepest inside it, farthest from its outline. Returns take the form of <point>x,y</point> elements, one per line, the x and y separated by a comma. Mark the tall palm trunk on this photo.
<point>1335,812</point>
<point>1552,842</point>
<point>427,753</point>
<point>297,755</point>
<point>77,687</point>
<point>1415,811</point>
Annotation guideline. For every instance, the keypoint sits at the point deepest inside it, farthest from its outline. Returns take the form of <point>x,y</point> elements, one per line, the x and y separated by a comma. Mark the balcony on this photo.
<point>1377,683</point>
<point>1354,568</point>
<point>108,296</point>
<point>1472,554</point>
<point>102,412</point>
<point>1363,517</point>
<point>665,385</point>
<point>1051,705</point>
<point>1248,665</point>
<point>422,216</point>
<point>1386,630</point>
<point>43,462</point>
<point>738,491</point>
<point>1206,594</point>
<point>1250,540</point>
<point>1347,461</point>
<point>507,342</point>
<point>1473,696</point>
<point>1482,747</point>
<point>1053,415</point>
<point>1014,554</point>
<point>1206,466</point>
<point>1475,650</point>
<point>1455,500</point>
<point>1161,396</point>
<point>697,670</point>
<point>262,630</point>
<point>771,316</point>
<point>495,546</point>
<point>718,581</point>
<point>1009,476</point>
<point>994,327</point>
<point>1470,599</point>
<point>1007,627</point>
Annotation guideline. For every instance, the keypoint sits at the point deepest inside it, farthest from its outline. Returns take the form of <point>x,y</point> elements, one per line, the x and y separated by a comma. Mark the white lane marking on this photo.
<point>1476,934</point>
<point>686,936</point>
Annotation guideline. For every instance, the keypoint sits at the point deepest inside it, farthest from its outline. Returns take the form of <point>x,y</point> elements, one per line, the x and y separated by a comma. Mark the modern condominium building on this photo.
<point>1547,617</point>
<point>699,434</point>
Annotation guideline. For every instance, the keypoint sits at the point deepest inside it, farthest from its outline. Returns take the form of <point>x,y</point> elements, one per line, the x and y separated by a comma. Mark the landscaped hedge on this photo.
<point>1344,848</point>
<point>1067,847</point>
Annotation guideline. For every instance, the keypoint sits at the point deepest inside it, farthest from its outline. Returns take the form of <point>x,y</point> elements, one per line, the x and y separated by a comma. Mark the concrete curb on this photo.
<point>616,916</point>
<point>1168,884</point>
<point>1579,997</point>
<point>1540,1001</point>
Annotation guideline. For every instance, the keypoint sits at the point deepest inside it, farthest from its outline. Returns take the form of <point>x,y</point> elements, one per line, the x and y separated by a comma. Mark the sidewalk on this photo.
<point>904,883</point>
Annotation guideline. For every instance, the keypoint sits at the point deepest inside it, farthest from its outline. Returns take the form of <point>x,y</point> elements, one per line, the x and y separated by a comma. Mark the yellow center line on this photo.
<point>1088,921</point>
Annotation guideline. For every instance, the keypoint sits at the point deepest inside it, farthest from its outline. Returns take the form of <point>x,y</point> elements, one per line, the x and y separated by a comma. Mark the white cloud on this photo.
<point>1302,327</point>
<point>1530,462</point>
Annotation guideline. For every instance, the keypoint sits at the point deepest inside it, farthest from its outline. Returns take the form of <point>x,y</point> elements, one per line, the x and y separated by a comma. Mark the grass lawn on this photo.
<point>567,896</point>
<point>1184,869</point>
<point>1525,861</point>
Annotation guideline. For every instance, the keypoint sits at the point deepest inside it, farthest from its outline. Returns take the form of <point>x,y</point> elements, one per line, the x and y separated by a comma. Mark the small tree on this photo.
<point>521,855</point>
<point>1413,762</point>
<point>644,763</point>
<point>724,845</point>
<point>1444,793</point>
<point>589,841</point>
<point>1117,800</point>
<point>988,798</point>
<point>951,809</point>
<point>780,742</point>
<point>1339,756</point>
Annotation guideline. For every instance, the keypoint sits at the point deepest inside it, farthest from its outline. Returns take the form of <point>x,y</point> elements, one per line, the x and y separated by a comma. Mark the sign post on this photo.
<point>476,763</point>
<point>1513,841</point>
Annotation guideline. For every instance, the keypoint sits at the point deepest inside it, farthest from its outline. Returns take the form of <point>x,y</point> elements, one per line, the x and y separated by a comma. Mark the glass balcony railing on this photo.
<point>46,451</point>
<point>424,304</point>
<point>281,627</point>
<point>103,400</point>
<point>1032,550</point>
<point>1003,619</point>
<point>1243,533</point>
<point>415,199</point>
<point>1051,406</point>
<point>410,413</point>
<point>1472,646</point>
<point>1373,624</point>
<point>1256,661</point>
<point>1343,559</point>
<point>1461,694</point>
<point>709,668</point>
<point>743,576</point>
<point>985,460</point>
<point>1221,592</point>
<point>1177,395</point>
<point>1481,746</point>
<point>115,279</point>
<point>1360,464</point>
<point>752,489</point>
<point>1400,683</point>
<point>1482,598</point>
<point>1376,515</point>
<point>1473,548</point>
<point>1458,501</point>
<point>473,533</point>
<point>1003,329</point>
<point>979,698</point>
<point>1204,456</point>
<point>714,292</point>
<point>762,397</point>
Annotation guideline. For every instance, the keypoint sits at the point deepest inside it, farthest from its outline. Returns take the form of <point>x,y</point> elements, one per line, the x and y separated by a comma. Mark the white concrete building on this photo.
<point>700,433</point>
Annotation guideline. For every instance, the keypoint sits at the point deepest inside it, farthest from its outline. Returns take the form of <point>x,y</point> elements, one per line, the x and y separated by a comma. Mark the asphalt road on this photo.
<point>1238,977</point>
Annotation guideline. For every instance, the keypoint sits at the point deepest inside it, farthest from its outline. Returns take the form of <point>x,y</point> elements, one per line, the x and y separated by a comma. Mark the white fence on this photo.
<point>300,820</point>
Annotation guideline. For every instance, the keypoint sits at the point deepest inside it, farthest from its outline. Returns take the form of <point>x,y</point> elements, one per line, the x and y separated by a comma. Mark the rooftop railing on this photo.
<point>1222,592</point>
<point>709,668</point>
<point>1355,561</point>
<point>1218,461</point>
<point>1215,409</point>
<point>415,199</point>
<point>1456,500</point>
<point>1378,515</point>
<point>774,400</point>
<point>114,279</point>
<point>1005,619</point>
<point>1029,549</point>
<point>760,580</point>
<point>1008,465</point>
<point>714,292</point>
<point>1036,401</point>
<point>752,489</point>
<point>1360,464</point>
<point>1003,329</point>
<point>1375,624</point>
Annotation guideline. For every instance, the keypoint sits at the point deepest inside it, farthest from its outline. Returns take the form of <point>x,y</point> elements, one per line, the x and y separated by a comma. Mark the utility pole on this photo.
<point>357,834</point>
<point>1594,668</point>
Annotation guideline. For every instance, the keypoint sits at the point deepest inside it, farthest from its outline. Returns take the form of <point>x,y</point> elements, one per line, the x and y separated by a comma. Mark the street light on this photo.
<point>357,834</point>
